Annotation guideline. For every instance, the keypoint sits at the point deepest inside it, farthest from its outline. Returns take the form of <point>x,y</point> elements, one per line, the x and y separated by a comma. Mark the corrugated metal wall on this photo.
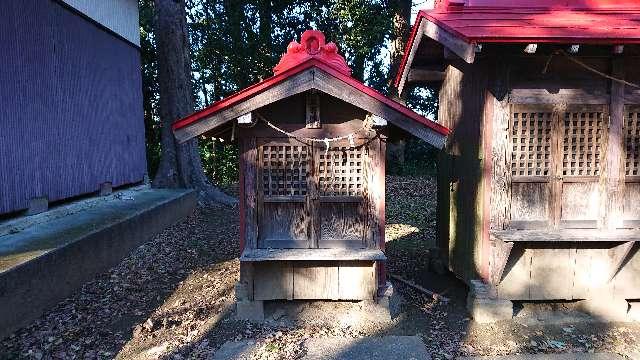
<point>119,16</point>
<point>71,112</point>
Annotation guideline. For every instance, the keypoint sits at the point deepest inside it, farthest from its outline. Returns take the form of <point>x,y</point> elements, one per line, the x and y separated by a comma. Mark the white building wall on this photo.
<point>119,16</point>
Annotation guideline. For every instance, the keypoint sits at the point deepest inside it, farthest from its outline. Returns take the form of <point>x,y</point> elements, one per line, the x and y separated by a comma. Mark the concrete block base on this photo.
<point>250,310</point>
<point>49,260</point>
<point>606,309</point>
<point>484,306</point>
<point>38,205</point>
<point>106,189</point>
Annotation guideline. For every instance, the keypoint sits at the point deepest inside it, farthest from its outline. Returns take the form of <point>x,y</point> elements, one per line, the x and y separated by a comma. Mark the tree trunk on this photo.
<point>180,164</point>
<point>264,31</point>
<point>399,37</point>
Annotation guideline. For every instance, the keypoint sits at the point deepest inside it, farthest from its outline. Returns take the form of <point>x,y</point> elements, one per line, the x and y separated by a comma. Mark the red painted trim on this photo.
<point>313,62</point>
<point>407,50</point>
<point>242,95</point>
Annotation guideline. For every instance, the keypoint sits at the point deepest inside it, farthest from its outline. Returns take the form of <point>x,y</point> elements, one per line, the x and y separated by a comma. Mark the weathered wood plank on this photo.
<point>357,280</point>
<point>516,276</point>
<point>501,166</point>
<point>547,267</point>
<point>258,255</point>
<point>573,235</point>
<point>500,252</point>
<point>618,256</point>
<point>425,75</point>
<point>315,280</point>
<point>249,169</point>
<point>463,49</point>
<point>412,53</point>
<point>273,280</point>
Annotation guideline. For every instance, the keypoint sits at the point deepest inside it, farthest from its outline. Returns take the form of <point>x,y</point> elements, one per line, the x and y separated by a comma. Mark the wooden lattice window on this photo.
<point>632,141</point>
<point>582,143</point>
<point>531,143</point>
<point>284,170</point>
<point>341,172</point>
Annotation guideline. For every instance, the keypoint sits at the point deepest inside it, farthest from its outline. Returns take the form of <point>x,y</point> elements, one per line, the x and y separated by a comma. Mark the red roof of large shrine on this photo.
<point>311,52</point>
<point>534,21</point>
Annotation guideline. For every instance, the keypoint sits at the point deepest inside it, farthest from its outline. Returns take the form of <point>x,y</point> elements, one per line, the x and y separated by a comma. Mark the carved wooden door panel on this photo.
<point>341,176</point>
<point>556,158</point>
<point>283,182</point>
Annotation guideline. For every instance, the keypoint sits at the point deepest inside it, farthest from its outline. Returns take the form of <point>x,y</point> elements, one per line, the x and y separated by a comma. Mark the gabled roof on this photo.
<point>309,65</point>
<point>456,23</point>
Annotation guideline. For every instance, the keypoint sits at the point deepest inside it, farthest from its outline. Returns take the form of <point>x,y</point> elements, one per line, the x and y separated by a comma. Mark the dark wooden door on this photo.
<point>311,197</point>
<point>556,159</point>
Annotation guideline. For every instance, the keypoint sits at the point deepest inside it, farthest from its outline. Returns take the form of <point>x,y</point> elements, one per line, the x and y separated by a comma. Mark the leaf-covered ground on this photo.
<point>173,298</point>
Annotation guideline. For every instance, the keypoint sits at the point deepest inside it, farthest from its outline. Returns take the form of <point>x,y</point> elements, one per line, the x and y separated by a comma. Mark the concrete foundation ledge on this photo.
<point>484,306</point>
<point>47,260</point>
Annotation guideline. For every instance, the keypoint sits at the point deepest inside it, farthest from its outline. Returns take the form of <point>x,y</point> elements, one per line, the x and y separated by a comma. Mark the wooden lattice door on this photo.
<point>284,219</point>
<point>311,197</point>
<point>341,189</point>
<point>556,159</point>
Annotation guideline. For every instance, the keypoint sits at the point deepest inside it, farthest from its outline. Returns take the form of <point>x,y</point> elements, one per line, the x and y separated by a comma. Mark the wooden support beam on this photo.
<point>619,255</point>
<point>614,176</point>
<point>463,49</point>
<point>531,48</point>
<point>499,255</point>
<point>425,75</point>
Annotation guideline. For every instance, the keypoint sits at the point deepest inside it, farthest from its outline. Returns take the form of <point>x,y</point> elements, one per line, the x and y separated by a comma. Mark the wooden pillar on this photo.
<point>248,199</point>
<point>615,152</point>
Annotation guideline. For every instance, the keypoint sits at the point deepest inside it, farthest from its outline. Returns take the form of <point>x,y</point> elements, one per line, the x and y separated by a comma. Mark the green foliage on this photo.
<point>220,160</point>
<point>235,43</point>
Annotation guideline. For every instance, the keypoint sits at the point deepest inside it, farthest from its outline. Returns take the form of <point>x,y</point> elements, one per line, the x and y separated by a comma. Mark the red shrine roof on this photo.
<point>311,52</point>
<point>534,21</point>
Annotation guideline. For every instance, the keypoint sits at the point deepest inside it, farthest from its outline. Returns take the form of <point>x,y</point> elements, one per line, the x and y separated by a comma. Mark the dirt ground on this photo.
<point>173,298</point>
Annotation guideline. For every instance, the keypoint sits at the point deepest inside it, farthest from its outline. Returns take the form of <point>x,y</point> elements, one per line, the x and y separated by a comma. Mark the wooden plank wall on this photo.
<point>71,115</point>
<point>569,271</point>
<point>315,280</point>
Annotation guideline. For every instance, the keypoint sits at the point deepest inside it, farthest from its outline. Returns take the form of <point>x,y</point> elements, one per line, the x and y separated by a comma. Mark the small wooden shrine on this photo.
<point>312,177</point>
<point>539,183</point>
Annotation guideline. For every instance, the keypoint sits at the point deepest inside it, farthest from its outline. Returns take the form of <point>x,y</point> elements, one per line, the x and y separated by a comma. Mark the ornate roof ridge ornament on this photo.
<point>312,45</point>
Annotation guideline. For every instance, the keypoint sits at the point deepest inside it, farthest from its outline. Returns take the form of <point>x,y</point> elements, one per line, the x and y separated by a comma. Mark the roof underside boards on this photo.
<point>460,28</point>
<point>311,74</point>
